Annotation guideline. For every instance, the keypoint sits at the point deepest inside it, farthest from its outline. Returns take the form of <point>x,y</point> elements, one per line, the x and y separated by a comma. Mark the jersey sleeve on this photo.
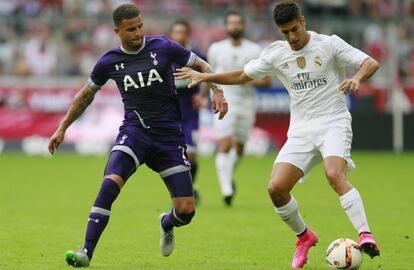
<point>180,55</point>
<point>345,54</point>
<point>98,76</point>
<point>259,68</point>
<point>200,54</point>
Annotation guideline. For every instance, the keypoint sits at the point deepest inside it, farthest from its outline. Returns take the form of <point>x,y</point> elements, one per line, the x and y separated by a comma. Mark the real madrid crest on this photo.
<point>318,60</point>
<point>301,62</point>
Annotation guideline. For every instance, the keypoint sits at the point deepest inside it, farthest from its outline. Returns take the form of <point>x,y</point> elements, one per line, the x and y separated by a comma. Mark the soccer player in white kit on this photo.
<point>311,67</point>
<point>232,132</point>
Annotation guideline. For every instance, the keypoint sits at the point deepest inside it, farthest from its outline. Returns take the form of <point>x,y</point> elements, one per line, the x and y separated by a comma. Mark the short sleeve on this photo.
<point>98,76</point>
<point>180,55</point>
<point>259,68</point>
<point>345,54</point>
<point>199,54</point>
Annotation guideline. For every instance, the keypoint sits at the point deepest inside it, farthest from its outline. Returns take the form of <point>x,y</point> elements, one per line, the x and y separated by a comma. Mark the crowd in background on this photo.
<point>65,37</point>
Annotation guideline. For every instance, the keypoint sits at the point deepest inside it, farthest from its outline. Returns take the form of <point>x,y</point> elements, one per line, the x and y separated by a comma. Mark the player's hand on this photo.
<point>188,73</point>
<point>219,103</point>
<point>200,101</point>
<point>55,140</point>
<point>349,86</point>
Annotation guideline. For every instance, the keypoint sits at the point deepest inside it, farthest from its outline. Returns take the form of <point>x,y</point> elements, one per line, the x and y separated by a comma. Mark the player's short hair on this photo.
<point>125,12</point>
<point>233,13</point>
<point>286,11</point>
<point>184,23</point>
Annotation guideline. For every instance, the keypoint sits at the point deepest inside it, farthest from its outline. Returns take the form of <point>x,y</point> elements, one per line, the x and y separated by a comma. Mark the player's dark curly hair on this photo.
<point>286,11</point>
<point>125,12</point>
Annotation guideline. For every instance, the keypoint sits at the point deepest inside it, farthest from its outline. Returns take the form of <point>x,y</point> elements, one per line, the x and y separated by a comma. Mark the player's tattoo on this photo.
<point>81,101</point>
<point>204,67</point>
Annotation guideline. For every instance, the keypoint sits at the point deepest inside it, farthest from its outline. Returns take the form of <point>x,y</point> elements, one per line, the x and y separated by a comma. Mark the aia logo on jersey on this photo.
<point>140,81</point>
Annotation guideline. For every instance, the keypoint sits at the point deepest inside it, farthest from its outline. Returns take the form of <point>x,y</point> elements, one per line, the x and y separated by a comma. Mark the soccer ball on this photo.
<point>344,253</point>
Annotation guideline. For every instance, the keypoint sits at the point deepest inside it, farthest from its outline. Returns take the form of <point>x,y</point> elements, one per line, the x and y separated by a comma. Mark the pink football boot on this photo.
<point>368,244</point>
<point>303,244</point>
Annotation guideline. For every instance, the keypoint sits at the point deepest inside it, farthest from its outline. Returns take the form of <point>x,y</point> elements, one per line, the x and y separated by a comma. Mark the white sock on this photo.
<point>224,167</point>
<point>351,202</point>
<point>291,216</point>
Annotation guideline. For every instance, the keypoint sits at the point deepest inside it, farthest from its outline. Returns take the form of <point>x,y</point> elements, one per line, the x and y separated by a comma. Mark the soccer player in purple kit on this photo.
<point>190,100</point>
<point>151,130</point>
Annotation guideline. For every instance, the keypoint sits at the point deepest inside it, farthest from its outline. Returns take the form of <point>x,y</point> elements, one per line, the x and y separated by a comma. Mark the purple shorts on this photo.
<point>162,149</point>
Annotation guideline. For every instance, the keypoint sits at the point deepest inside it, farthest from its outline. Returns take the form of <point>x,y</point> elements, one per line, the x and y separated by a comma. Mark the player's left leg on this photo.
<point>351,202</point>
<point>335,150</point>
<point>181,191</point>
<point>169,159</point>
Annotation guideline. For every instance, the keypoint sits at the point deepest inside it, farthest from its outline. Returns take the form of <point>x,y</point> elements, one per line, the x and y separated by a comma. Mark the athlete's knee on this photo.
<point>117,179</point>
<point>334,175</point>
<point>185,205</point>
<point>275,188</point>
<point>225,145</point>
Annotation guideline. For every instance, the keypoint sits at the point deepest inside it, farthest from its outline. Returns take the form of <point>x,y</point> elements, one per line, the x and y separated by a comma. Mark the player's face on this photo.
<point>180,33</point>
<point>295,33</point>
<point>235,26</point>
<point>131,33</point>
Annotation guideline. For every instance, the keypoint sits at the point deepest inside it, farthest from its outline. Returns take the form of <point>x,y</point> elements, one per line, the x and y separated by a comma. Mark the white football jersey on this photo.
<point>223,57</point>
<point>311,75</point>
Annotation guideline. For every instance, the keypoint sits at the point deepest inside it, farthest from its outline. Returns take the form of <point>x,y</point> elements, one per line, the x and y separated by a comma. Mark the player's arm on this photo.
<point>80,102</point>
<point>368,67</point>
<point>218,102</point>
<point>262,83</point>
<point>235,77</point>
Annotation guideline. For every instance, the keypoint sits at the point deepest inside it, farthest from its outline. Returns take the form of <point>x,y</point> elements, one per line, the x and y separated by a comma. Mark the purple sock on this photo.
<point>99,216</point>
<point>175,219</point>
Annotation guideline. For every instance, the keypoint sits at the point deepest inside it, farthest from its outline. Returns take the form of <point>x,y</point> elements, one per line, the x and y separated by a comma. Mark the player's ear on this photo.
<point>303,21</point>
<point>116,30</point>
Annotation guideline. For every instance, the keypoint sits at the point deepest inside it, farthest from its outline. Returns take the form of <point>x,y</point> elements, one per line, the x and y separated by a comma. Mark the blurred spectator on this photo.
<point>65,37</point>
<point>40,52</point>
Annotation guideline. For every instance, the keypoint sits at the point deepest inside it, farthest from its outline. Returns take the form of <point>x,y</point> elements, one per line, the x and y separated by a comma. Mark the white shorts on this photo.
<point>307,146</point>
<point>237,122</point>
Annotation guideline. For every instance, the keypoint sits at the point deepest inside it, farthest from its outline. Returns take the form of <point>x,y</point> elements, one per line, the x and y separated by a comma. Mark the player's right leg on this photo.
<point>119,167</point>
<point>225,160</point>
<point>284,177</point>
<point>226,157</point>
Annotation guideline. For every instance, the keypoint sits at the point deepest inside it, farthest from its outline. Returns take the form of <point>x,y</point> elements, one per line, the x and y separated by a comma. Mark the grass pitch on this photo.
<point>44,206</point>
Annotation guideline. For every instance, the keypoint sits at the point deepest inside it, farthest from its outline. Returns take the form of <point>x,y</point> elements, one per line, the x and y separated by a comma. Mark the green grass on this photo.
<point>44,205</point>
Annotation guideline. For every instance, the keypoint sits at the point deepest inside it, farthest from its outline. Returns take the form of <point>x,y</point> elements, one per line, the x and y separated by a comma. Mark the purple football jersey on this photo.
<point>145,80</point>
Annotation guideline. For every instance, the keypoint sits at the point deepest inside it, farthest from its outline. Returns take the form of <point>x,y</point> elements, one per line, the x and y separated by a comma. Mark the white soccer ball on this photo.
<point>344,253</point>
